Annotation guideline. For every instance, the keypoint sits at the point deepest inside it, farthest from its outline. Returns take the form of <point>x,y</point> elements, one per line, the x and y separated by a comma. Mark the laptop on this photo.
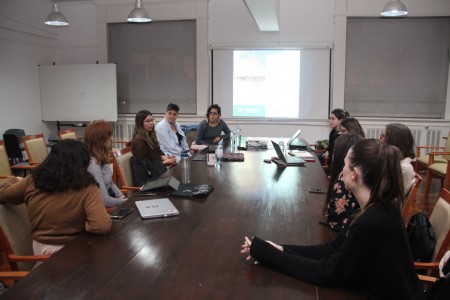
<point>297,143</point>
<point>157,208</point>
<point>289,161</point>
<point>179,189</point>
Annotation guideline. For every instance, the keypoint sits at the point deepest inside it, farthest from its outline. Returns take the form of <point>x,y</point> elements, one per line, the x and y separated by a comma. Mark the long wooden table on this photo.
<point>197,254</point>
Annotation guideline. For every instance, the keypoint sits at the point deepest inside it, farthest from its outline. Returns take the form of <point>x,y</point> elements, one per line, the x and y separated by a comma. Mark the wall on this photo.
<point>26,42</point>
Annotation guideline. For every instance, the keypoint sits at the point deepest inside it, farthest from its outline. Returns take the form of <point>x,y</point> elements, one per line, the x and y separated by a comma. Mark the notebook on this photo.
<point>297,143</point>
<point>290,160</point>
<point>157,208</point>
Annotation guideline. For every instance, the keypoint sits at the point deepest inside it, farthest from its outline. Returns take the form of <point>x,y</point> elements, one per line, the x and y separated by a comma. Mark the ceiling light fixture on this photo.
<point>394,8</point>
<point>139,14</point>
<point>55,18</point>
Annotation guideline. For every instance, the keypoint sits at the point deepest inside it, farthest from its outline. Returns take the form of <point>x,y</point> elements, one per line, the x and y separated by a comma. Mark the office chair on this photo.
<point>16,241</point>
<point>13,148</point>
<point>35,147</point>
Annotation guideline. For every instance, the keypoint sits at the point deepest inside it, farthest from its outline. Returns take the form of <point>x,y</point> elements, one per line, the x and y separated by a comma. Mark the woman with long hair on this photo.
<point>340,204</point>
<point>148,161</point>
<point>399,135</point>
<point>335,119</point>
<point>61,196</point>
<point>98,136</point>
<point>352,125</point>
<point>376,238</point>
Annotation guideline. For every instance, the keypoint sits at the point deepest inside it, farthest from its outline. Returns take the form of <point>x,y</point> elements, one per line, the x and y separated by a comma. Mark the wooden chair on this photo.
<point>440,220</point>
<point>36,148</point>
<point>422,161</point>
<point>16,242</point>
<point>67,134</point>
<point>411,197</point>
<point>438,170</point>
<point>5,169</point>
<point>121,164</point>
<point>191,136</point>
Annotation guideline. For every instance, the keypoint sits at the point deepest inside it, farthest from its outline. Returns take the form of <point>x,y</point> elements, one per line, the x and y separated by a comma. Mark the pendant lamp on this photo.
<point>394,8</point>
<point>56,18</point>
<point>139,14</point>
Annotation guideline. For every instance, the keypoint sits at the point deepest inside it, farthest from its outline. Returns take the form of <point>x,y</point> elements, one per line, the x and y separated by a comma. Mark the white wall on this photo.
<point>26,42</point>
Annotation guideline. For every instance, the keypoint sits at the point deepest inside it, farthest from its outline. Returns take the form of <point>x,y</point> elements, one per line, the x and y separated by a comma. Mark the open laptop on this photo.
<point>290,160</point>
<point>297,143</point>
<point>157,208</point>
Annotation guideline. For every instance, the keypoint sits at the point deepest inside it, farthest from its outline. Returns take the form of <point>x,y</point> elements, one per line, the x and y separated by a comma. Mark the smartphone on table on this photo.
<point>317,191</point>
<point>121,213</point>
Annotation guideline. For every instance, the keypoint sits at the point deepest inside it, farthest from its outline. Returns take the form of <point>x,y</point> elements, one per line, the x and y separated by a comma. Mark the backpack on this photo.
<point>421,237</point>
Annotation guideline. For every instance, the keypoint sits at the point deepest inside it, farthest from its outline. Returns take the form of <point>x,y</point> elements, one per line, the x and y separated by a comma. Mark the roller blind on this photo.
<point>156,65</point>
<point>397,67</point>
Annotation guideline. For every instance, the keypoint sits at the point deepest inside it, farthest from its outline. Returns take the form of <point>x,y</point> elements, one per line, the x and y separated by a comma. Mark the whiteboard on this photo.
<point>78,92</point>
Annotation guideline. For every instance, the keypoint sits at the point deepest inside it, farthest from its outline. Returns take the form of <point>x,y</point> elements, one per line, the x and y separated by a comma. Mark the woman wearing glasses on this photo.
<point>170,136</point>
<point>210,130</point>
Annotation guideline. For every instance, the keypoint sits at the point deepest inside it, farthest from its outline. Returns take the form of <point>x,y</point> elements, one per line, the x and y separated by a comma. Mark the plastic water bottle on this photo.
<point>219,153</point>
<point>238,135</point>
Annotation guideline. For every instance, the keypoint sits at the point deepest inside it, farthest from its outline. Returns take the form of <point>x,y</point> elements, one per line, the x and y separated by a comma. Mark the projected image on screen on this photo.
<point>266,83</point>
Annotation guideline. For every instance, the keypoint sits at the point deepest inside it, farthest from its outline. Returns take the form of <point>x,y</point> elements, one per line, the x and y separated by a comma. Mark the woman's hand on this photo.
<point>216,140</point>
<point>246,249</point>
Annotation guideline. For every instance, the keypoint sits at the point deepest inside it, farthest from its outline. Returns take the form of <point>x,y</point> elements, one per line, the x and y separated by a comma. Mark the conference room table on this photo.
<point>196,255</point>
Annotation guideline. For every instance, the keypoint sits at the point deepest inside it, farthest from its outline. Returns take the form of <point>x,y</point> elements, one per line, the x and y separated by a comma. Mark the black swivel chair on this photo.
<point>13,148</point>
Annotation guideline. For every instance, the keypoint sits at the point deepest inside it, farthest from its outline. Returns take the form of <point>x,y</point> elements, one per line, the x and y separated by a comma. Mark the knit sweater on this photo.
<point>58,218</point>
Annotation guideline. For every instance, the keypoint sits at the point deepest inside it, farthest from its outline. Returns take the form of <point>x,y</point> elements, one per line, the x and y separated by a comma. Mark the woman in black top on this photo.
<point>337,115</point>
<point>374,255</point>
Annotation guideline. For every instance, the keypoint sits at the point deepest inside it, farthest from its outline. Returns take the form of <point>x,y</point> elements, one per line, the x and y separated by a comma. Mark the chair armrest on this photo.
<point>27,258</point>
<point>439,153</point>
<point>13,275</point>
<point>131,188</point>
<point>426,265</point>
<point>426,147</point>
<point>427,279</point>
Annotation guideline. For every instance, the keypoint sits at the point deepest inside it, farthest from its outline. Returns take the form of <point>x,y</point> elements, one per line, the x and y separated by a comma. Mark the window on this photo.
<point>397,67</point>
<point>156,65</point>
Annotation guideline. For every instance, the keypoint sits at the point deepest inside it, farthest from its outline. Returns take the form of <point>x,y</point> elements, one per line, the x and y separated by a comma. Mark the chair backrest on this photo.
<point>67,134</point>
<point>122,166</point>
<point>12,145</point>
<point>411,197</point>
<point>35,147</point>
<point>191,136</point>
<point>440,220</point>
<point>15,233</point>
<point>5,169</point>
<point>447,146</point>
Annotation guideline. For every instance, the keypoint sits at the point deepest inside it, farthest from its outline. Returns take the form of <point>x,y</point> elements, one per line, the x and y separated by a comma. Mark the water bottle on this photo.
<point>238,135</point>
<point>185,168</point>
<point>219,154</point>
